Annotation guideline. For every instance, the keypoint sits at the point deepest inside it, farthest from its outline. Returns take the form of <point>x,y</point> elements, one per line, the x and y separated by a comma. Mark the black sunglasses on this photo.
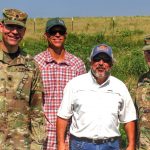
<point>53,32</point>
<point>103,57</point>
<point>147,51</point>
<point>13,26</point>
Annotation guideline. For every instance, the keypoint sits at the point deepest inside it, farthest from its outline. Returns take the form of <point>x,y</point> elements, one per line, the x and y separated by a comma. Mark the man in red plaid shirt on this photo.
<point>58,67</point>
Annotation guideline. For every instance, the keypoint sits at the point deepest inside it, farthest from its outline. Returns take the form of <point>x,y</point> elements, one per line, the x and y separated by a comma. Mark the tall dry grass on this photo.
<point>93,25</point>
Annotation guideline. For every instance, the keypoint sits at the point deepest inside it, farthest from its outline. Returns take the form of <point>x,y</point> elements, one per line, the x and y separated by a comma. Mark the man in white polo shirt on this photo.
<point>97,103</point>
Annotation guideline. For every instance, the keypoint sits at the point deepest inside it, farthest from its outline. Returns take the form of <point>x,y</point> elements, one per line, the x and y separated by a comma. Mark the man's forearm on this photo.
<point>61,126</point>
<point>130,131</point>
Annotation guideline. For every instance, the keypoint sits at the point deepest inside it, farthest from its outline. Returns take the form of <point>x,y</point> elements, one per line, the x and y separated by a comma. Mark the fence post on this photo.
<point>113,23</point>
<point>72,24</point>
<point>34,24</point>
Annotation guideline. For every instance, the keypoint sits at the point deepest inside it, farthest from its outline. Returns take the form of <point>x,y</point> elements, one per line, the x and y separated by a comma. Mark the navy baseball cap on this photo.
<point>102,48</point>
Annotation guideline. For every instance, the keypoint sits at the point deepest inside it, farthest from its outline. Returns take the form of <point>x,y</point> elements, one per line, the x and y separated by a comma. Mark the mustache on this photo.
<point>100,67</point>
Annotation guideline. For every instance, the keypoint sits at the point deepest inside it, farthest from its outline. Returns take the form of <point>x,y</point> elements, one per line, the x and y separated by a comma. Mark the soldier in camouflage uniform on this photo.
<point>143,103</point>
<point>22,124</point>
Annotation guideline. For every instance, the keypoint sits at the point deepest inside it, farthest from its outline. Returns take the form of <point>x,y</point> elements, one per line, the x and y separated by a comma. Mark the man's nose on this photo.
<point>15,30</point>
<point>57,34</point>
<point>101,62</point>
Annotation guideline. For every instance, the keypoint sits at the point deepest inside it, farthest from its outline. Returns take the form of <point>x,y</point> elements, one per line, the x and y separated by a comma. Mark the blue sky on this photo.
<point>79,8</point>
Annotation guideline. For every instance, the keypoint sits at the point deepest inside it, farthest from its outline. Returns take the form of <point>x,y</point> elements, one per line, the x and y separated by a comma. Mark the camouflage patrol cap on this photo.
<point>14,16</point>
<point>147,40</point>
<point>146,48</point>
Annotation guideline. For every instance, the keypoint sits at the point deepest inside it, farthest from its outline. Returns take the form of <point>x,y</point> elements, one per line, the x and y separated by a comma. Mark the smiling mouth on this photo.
<point>59,39</point>
<point>100,69</point>
<point>14,37</point>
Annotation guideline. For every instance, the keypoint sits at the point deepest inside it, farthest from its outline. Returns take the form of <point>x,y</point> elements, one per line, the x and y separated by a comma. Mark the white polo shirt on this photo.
<point>96,110</point>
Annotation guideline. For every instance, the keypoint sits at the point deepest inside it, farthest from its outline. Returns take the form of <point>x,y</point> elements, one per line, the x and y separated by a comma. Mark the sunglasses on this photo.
<point>13,26</point>
<point>104,58</point>
<point>147,52</point>
<point>54,32</point>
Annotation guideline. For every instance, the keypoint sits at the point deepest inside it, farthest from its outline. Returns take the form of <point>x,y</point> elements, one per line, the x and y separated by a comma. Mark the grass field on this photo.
<point>93,25</point>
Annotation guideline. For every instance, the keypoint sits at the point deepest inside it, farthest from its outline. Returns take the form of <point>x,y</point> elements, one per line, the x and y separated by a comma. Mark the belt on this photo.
<point>95,141</point>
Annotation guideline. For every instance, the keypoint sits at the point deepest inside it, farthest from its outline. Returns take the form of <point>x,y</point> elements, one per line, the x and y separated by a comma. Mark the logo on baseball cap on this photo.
<point>102,48</point>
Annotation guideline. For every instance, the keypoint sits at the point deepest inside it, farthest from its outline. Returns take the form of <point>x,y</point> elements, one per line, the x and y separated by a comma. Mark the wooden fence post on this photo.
<point>72,24</point>
<point>34,24</point>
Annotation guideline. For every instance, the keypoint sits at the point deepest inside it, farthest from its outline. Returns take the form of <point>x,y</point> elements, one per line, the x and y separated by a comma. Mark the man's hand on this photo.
<point>131,147</point>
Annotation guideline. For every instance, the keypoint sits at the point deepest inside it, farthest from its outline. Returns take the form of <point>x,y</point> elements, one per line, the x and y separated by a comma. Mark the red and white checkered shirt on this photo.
<point>55,76</point>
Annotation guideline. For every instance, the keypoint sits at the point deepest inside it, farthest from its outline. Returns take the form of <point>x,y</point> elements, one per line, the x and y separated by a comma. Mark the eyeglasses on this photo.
<point>13,26</point>
<point>53,32</point>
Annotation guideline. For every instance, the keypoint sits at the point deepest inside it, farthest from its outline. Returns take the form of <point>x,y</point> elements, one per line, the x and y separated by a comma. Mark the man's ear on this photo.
<point>65,35</point>
<point>91,62</point>
<point>46,35</point>
<point>23,32</point>
<point>1,27</point>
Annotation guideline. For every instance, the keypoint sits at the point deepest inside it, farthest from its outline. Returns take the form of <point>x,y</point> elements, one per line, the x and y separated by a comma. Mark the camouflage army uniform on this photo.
<point>21,115</point>
<point>143,106</point>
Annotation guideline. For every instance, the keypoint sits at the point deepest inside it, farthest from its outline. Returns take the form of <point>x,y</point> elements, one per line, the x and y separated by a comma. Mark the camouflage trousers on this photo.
<point>144,143</point>
<point>11,147</point>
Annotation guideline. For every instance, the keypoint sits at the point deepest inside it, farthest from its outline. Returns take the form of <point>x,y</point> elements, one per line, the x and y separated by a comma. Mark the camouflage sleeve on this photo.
<point>143,109</point>
<point>143,96</point>
<point>38,128</point>
<point>137,110</point>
